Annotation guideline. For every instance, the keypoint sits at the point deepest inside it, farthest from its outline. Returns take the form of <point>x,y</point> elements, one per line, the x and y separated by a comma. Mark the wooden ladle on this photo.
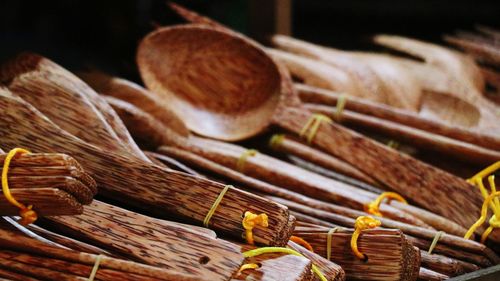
<point>219,82</point>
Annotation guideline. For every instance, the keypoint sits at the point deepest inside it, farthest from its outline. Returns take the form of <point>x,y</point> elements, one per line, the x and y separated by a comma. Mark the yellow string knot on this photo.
<point>28,216</point>
<point>313,124</point>
<point>373,207</point>
<point>248,266</point>
<point>489,199</point>
<point>301,242</point>
<point>362,223</point>
<point>240,165</point>
<point>251,220</point>
<point>276,140</point>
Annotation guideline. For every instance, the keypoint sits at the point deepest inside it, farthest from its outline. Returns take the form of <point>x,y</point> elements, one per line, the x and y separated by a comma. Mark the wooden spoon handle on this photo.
<point>421,183</point>
<point>419,138</point>
<point>321,96</point>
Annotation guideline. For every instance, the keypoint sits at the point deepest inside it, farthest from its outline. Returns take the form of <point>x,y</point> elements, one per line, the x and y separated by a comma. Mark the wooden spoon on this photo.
<point>209,85</point>
<point>447,71</point>
<point>398,88</point>
<point>154,186</point>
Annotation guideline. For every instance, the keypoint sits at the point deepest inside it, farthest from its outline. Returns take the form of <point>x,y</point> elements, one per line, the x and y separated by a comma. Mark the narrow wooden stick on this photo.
<point>289,145</point>
<point>430,275</point>
<point>14,276</point>
<point>331,270</point>
<point>38,272</point>
<point>72,268</point>
<point>321,96</point>
<point>419,138</point>
<point>46,202</point>
<point>445,265</point>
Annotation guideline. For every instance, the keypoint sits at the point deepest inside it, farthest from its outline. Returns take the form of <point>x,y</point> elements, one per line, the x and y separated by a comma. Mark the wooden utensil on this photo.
<point>46,182</point>
<point>418,138</point>
<point>320,96</point>
<point>19,243</point>
<point>398,87</point>
<point>459,76</point>
<point>429,187</point>
<point>390,255</point>
<point>48,86</point>
<point>151,183</point>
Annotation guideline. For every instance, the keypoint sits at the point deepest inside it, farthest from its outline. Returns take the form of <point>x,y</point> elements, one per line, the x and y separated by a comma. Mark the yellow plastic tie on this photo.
<point>482,218</point>
<point>97,262</point>
<point>276,140</point>
<point>393,144</point>
<point>312,126</point>
<point>240,165</point>
<point>339,108</point>
<point>494,203</point>
<point>248,266</point>
<point>266,250</point>
<point>28,215</point>
<point>251,220</point>
<point>301,242</point>
<point>362,223</point>
<point>373,207</point>
<point>329,242</point>
<point>215,205</point>
<point>435,241</point>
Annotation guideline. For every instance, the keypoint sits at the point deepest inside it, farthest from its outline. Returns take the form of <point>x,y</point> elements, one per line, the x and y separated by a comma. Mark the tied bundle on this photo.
<point>43,184</point>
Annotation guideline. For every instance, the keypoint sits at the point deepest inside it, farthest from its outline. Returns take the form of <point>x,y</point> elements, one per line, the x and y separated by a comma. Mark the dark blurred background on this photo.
<point>104,34</point>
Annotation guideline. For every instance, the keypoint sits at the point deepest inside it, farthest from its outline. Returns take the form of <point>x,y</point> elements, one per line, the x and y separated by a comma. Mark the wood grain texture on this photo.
<point>292,146</point>
<point>446,265</point>
<point>429,187</point>
<point>430,275</point>
<point>155,187</point>
<point>331,270</point>
<point>321,96</point>
<point>64,98</point>
<point>45,201</point>
<point>20,243</point>
<point>421,139</point>
<point>280,173</point>
<point>390,255</point>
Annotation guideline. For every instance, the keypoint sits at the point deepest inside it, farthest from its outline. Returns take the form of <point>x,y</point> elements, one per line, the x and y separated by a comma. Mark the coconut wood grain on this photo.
<point>390,255</point>
<point>23,125</point>
<point>446,265</point>
<point>430,275</point>
<point>321,96</point>
<point>54,90</point>
<point>20,243</point>
<point>386,165</point>
<point>418,138</point>
<point>292,146</point>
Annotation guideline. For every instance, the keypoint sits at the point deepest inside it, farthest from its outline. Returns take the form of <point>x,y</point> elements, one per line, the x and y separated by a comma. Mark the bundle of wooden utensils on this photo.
<point>237,161</point>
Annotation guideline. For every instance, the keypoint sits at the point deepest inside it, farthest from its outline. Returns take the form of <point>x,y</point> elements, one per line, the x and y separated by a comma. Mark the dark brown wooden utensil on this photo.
<point>153,185</point>
<point>200,94</point>
<point>418,138</point>
<point>315,95</point>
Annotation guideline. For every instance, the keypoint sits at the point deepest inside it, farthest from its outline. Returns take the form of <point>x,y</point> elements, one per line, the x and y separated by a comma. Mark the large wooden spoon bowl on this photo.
<point>220,85</point>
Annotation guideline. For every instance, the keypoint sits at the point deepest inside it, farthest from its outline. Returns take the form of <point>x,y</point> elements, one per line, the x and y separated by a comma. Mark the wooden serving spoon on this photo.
<point>449,72</point>
<point>231,90</point>
<point>400,89</point>
<point>154,186</point>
